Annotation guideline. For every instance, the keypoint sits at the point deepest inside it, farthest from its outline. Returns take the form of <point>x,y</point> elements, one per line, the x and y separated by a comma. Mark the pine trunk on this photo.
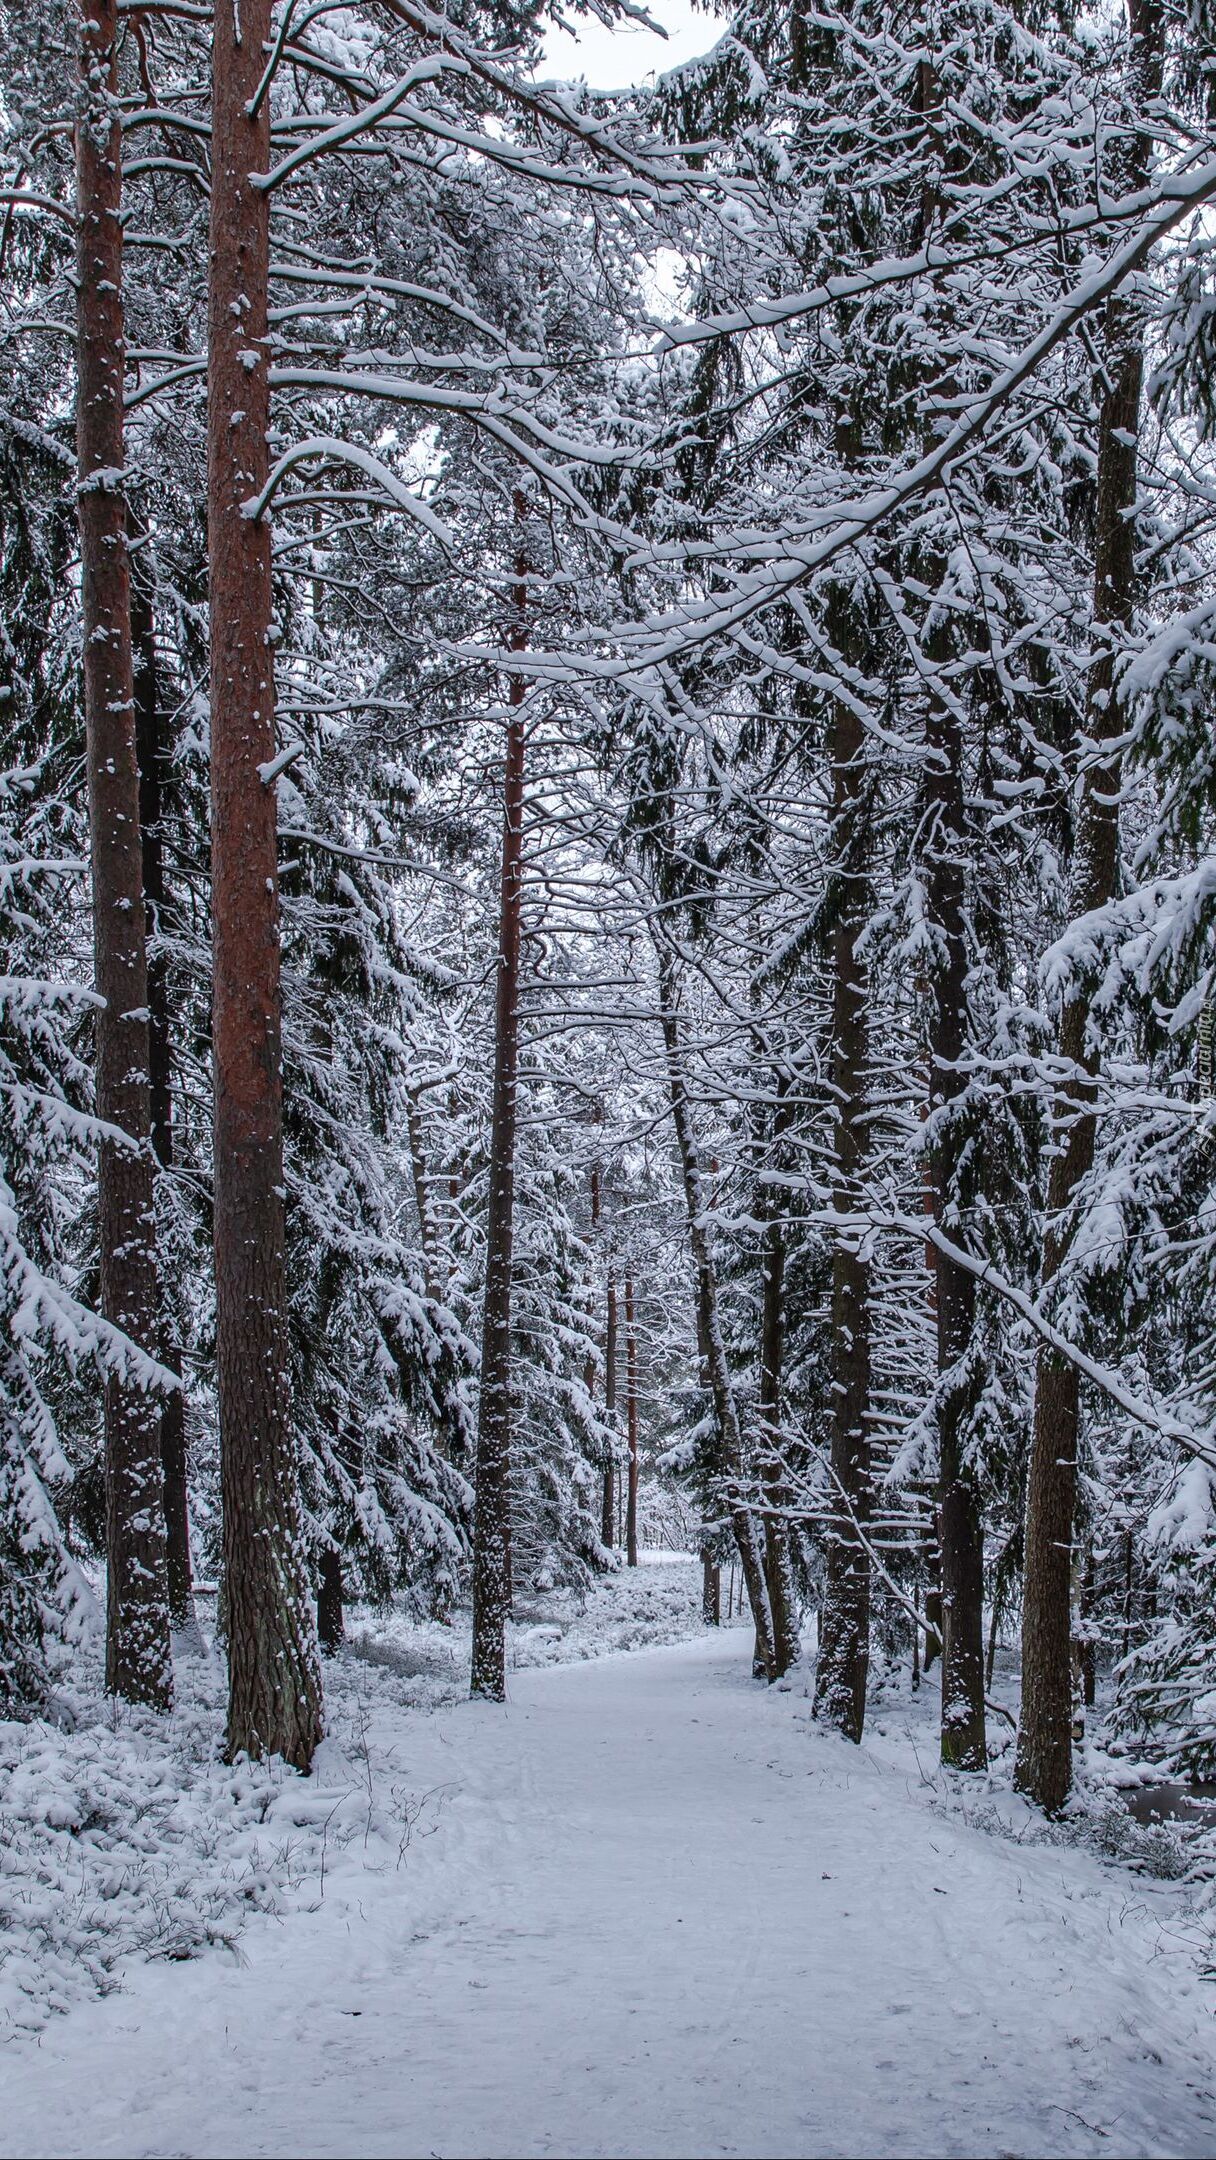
<point>631,1424</point>
<point>731,1456</point>
<point>1044,1752</point>
<point>153,751</point>
<point>964,1742</point>
<point>274,1705</point>
<point>492,1503</point>
<point>608,1511</point>
<point>138,1664</point>
<point>607,1501</point>
<point>844,1642</point>
<point>778,1569</point>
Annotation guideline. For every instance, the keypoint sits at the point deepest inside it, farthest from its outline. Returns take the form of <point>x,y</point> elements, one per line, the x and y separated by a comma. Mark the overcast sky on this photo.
<point>612,59</point>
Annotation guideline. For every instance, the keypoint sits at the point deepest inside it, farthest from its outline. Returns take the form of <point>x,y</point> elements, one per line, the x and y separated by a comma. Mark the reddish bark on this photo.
<point>608,1495</point>
<point>274,1675</point>
<point>137,1618</point>
<point>608,1498</point>
<point>631,1423</point>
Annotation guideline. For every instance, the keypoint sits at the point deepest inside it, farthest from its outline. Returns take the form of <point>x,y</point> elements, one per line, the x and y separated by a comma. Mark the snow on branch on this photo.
<point>332,446</point>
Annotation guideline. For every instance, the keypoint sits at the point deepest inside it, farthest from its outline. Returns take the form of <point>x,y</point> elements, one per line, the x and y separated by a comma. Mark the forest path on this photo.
<point>656,1913</point>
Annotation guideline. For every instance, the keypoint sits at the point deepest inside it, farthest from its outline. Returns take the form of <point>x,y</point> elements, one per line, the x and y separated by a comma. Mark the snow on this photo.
<point>607,56</point>
<point>126,1835</point>
<point>1182,1521</point>
<point>647,1908</point>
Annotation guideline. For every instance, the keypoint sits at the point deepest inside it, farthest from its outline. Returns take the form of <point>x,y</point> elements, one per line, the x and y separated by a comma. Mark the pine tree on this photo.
<point>274,1681</point>
<point>137,1627</point>
<point>1044,1768</point>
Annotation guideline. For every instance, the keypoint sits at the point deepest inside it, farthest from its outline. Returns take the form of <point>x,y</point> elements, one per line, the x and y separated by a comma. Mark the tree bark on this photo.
<point>961,1613</point>
<point>1043,1768</point>
<point>138,1663</point>
<point>964,1742</point>
<point>608,1512</point>
<point>607,1502</point>
<point>153,750</point>
<point>731,1457</point>
<point>844,1642</point>
<point>778,1568</point>
<point>274,1704</point>
<point>711,1590</point>
<point>631,1423</point>
<point>492,1503</point>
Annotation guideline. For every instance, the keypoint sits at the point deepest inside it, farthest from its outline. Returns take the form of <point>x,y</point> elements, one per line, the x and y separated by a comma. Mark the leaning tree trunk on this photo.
<point>1044,1753</point>
<point>492,1501</point>
<point>137,1615</point>
<point>732,1467</point>
<point>153,751</point>
<point>844,1643</point>
<point>964,1741</point>
<point>274,1702</point>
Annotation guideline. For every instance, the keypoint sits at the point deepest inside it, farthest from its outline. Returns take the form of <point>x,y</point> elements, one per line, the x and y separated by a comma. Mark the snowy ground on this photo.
<point>645,1909</point>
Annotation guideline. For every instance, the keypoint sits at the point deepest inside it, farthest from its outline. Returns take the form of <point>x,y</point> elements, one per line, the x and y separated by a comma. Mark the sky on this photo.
<point>614,59</point>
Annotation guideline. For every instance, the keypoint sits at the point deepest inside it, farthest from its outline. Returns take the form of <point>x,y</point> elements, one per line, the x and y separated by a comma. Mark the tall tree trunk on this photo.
<point>608,1501</point>
<point>607,1505</point>
<point>963,1736</point>
<point>137,1614</point>
<point>591,1362</point>
<point>960,1517</point>
<point>778,1568</point>
<point>274,1702</point>
<point>1044,1752</point>
<point>844,1641</point>
<point>631,1423</point>
<point>492,1502</point>
<point>153,751</point>
<point>732,1466</point>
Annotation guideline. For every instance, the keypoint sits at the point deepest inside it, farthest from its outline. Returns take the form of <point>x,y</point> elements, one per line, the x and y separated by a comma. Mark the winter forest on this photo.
<point>608,1077</point>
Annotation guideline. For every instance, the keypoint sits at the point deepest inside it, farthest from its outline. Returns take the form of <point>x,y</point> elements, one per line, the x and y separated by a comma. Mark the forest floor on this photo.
<point>647,1908</point>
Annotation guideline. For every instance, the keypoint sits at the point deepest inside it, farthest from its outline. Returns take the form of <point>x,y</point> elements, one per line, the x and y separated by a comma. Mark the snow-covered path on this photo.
<point>646,1910</point>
